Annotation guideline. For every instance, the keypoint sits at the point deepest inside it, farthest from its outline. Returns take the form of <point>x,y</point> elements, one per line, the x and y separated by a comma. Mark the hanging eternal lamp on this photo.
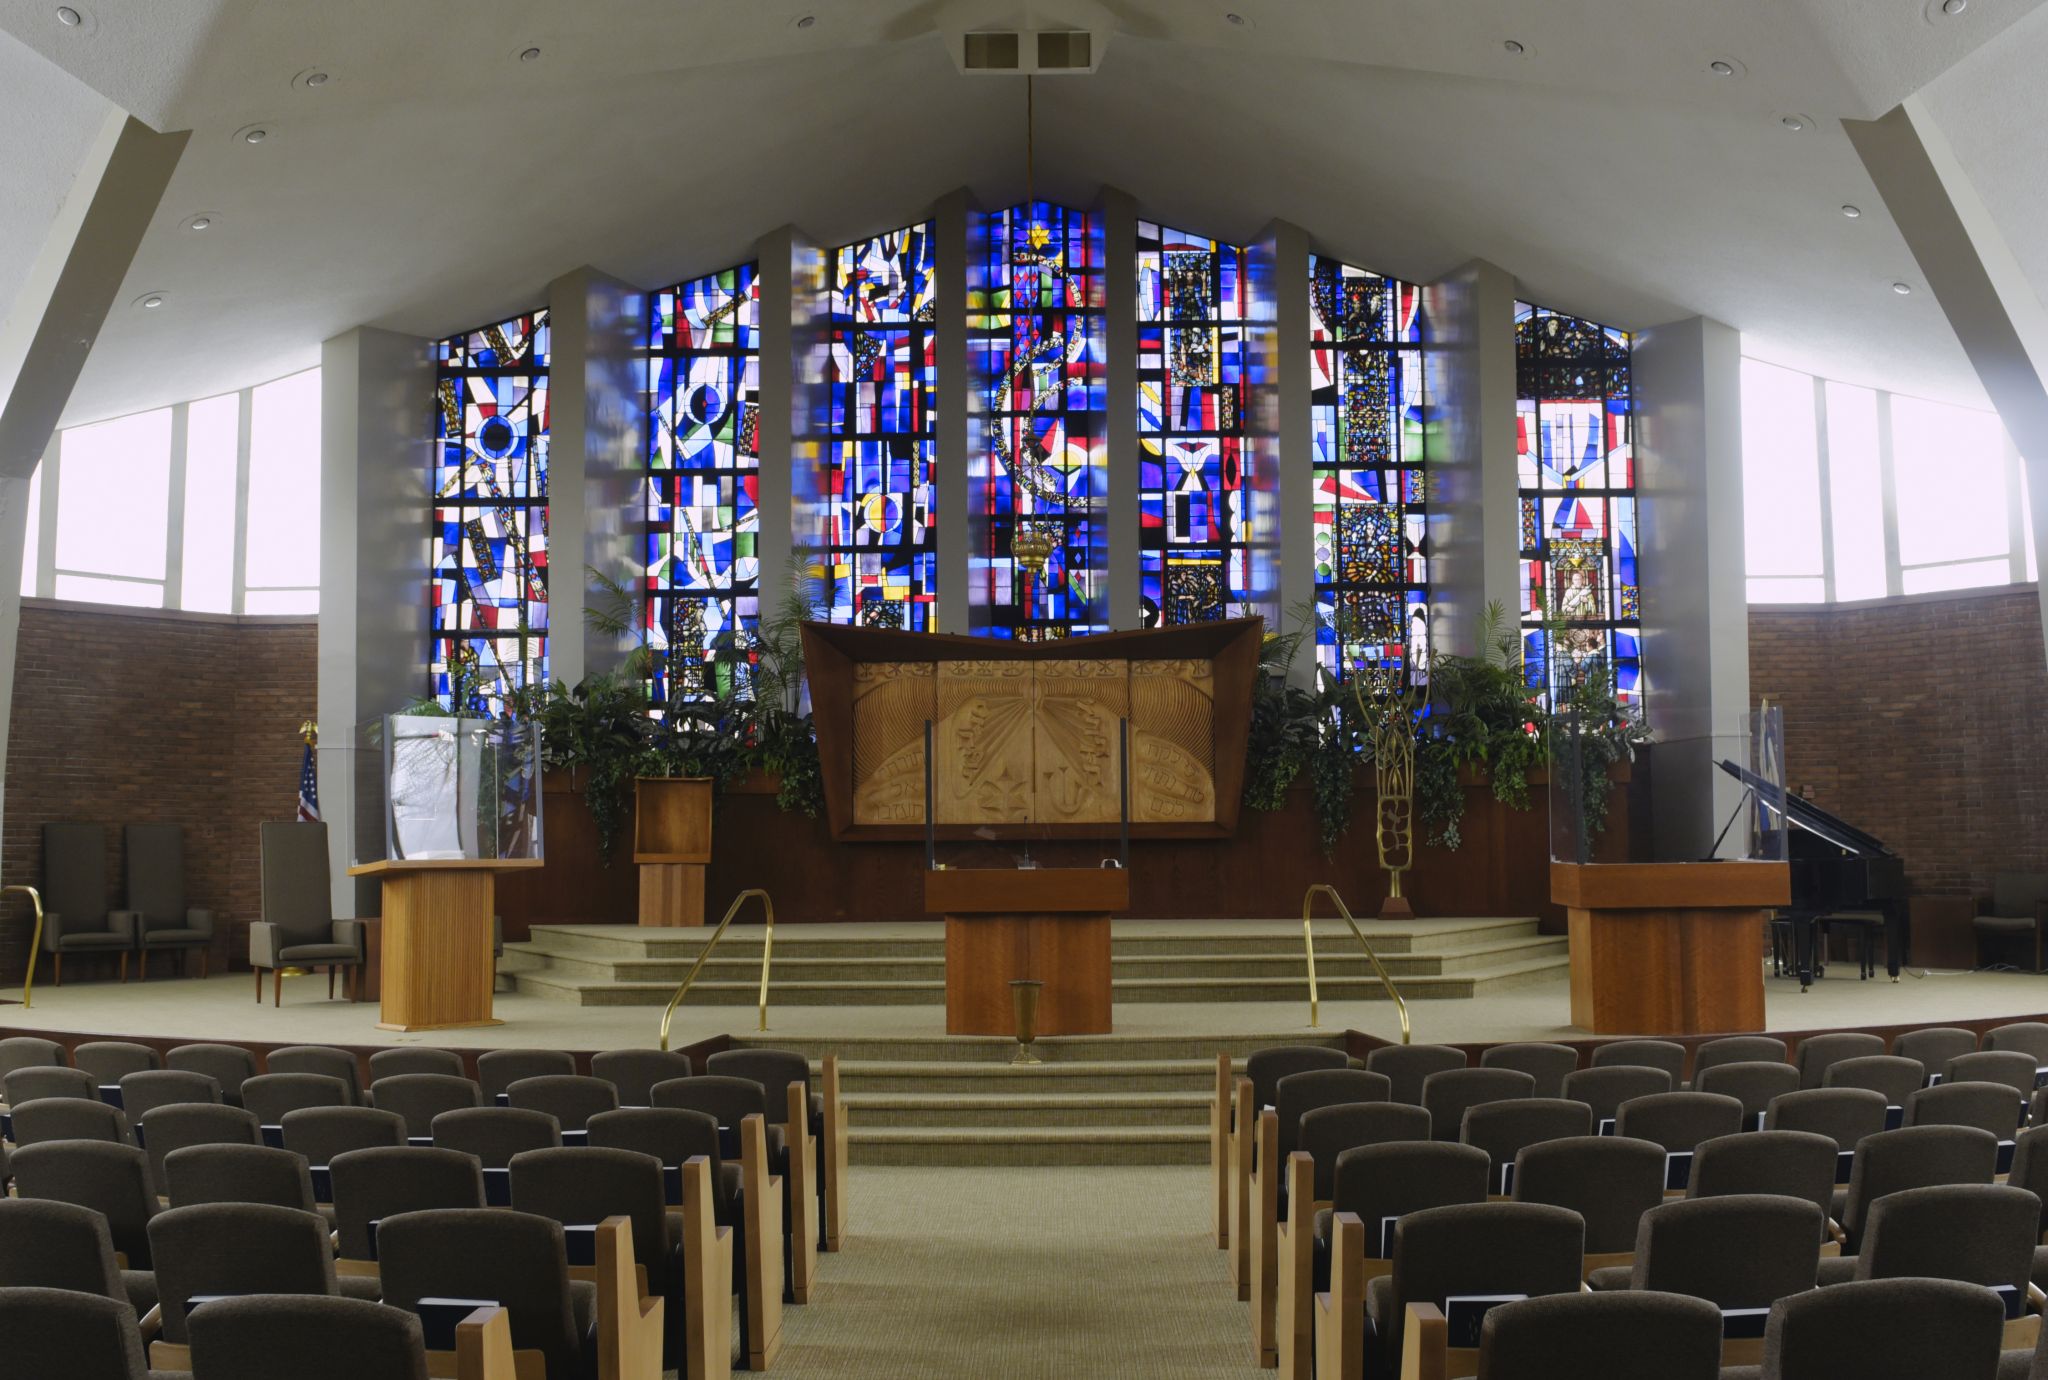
<point>1032,545</point>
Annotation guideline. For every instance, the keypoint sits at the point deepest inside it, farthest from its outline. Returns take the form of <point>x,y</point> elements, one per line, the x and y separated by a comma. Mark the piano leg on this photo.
<point>1894,937</point>
<point>1805,941</point>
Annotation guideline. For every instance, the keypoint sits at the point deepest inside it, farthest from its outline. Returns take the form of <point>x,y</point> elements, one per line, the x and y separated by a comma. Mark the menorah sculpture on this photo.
<point>1390,732</point>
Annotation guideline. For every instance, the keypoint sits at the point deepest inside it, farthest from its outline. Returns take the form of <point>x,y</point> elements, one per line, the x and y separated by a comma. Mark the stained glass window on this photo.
<point>1369,436</point>
<point>490,524</point>
<point>1578,502</point>
<point>1035,328</point>
<point>881,547</point>
<point>1194,556</point>
<point>703,460</point>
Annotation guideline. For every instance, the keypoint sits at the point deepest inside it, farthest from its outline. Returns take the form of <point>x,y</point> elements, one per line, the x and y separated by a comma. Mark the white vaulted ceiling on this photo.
<point>436,181</point>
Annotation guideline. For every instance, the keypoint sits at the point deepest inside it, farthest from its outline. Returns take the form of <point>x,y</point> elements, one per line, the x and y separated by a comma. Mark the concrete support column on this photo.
<point>1688,392</point>
<point>1119,212</point>
<point>796,343</point>
<point>1474,507</point>
<point>376,389</point>
<point>949,226</point>
<point>596,431</point>
<point>1281,505</point>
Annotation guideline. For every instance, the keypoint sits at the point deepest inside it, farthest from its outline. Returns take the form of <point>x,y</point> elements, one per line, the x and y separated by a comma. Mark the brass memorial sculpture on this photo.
<point>1390,732</point>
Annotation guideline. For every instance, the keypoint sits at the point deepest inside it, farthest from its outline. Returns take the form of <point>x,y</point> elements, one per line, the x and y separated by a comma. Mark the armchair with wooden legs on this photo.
<point>298,927</point>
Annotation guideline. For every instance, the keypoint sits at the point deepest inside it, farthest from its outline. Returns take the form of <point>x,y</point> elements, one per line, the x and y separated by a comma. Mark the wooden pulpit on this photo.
<point>435,965</point>
<point>1668,948</point>
<point>1048,924</point>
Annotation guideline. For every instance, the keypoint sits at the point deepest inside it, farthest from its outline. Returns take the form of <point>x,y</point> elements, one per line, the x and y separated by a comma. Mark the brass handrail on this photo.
<point>767,947</point>
<point>35,943</point>
<point>1308,940</point>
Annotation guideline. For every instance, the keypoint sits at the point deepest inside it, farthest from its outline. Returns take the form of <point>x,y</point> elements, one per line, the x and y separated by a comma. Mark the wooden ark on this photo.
<point>1025,735</point>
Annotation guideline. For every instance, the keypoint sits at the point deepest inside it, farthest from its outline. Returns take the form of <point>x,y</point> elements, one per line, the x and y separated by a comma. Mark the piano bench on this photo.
<point>1867,926</point>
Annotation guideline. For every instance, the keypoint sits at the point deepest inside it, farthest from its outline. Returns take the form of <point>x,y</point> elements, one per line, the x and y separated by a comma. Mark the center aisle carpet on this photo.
<point>1023,1273</point>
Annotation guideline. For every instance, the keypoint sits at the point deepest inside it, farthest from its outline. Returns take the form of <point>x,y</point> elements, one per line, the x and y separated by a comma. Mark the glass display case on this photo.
<point>434,787</point>
<point>1715,795</point>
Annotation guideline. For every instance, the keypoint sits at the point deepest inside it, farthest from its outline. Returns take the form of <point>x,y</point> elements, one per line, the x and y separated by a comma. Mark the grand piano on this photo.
<point>1835,867</point>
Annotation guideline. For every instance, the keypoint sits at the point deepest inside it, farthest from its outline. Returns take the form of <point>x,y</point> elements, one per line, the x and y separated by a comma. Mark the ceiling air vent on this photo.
<point>1065,52</point>
<point>994,52</point>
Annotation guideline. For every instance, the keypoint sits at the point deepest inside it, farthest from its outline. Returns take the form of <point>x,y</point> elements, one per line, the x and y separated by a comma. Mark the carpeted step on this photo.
<point>1058,1049</point>
<point>1001,1111</point>
<point>1069,1146</point>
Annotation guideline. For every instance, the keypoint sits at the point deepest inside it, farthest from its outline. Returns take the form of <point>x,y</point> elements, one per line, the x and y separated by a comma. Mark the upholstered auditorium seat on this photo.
<point>1546,1063</point>
<point>1446,1096</point>
<point>1911,1157</point>
<point>382,1182</point>
<point>25,1085</point>
<point>1298,1094</point>
<point>1679,1121</point>
<point>70,1118</point>
<point>388,1063</point>
<point>1887,1329</point>
<point>634,1072</point>
<point>1606,1087</point>
<point>55,1332</point>
<point>321,1133</point>
<point>108,1060</point>
<point>1609,1181</point>
<point>165,922</point>
<point>1934,1045</point>
<point>1503,1129</point>
<point>1377,1183</point>
<point>2028,1037</point>
<point>1737,1049</point>
<point>1327,1132</point>
<point>1653,1054</point>
<point>1753,1083</point>
<point>1743,1251</point>
<point>142,1093</point>
<point>234,1248</point>
<point>1990,1106</point>
<point>111,1180</point>
<point>420,1097</point>
<point>495,1134</point>
<point>200,1174</point>
<point>1408,1065</point>
<point>1843,1115</point>
<point>1635,1336</point>
<point>672,1135</point>
<point>1976,1233</point>
<point>228,1065</point>
<point>318,1059</point>
<point>29,1051</point>
<point>1816,1053</point>
<point>196,1123</point>
<point>1896,1077</point>
<point>499,1069</point>
<point>47,1244</point>
<point>1793,1164</point>
<point>2011,1067</point>
<point>271,1095</point>
<point>298,925</point>
<point>571,1099</point>
<point>248,1338</point>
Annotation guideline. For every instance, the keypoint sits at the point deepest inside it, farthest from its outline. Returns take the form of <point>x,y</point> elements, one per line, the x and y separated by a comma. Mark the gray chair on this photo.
<point>1883,1329</point>
<point>1408,1065</point>
<point>326,1338</point>
<point>111,1180</point>
<point>70,1118</point>
<point>1265,1067</point>
<point>582,1186</point>
<point>1987,1105</point>
<point>1327,1132</point>
<point>108,1061</point>
<point>298,928</point>
<point>1817,1052</point>
<point>1546,1063</point>
<point>672,1136</point>
<point>373,1184</point>
<point>729,1100</point>
<point>142,1093</point>
<point>28,1051</point>
<point>196,1123</point>
<point>236,1248</point>
<point>1745,1250</point>
<point>2030,1170</point>
<point>1448,1095</point>
<point>634,1072</point>
<point>420,1097</point>
<point>1604,1089</point>
<point>1667,1055</point>
<point>1503,1129</point>
<point>1392,1179</point>
<point>321,1133</point>
<point>1976,1233</point>
<point>228,1065</point>
<point>271,1095</point>
<point>46,1244</point>
<point>1935,1045</point>
<point>76,918</point>
<point>1753,1083</point>
<point>2028,1037</point>
<point>1679,1121</point>
<point>489,1253</point>
<point>24,1086</point>
<point>495,1134</point>
<point>320,1059</point>
<point>1474,1248</point>
<point>54,1332</point>
<point>499,1069</point>
<point>1608,1181</point>
<point>1632,1336</point>
<point>2009,1067</point>
<point>164,921</point>
<point>388,1063</point>
<point>571,1099</point>
<point>199,1174</point>
<point>1790,1164</point>
<point>1737,1049</point>
<point>2014,917</point>
<point>1912,1157</point>
<point>1895,1076</point>
<point>1843,1115</point>
<point>1300,1093</point>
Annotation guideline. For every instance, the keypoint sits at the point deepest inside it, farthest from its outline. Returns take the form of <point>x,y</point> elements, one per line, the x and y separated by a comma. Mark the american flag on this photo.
<point>309,782</point>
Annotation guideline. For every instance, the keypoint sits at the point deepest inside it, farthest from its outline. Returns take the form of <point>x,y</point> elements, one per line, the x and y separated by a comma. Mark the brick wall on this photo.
<point>1923,721</point>
<point>133,717</point>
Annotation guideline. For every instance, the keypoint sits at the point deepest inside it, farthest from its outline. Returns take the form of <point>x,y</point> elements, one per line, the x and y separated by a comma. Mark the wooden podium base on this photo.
<point>1068,953</point>
<point>671,893</point>
<point>435,942</point>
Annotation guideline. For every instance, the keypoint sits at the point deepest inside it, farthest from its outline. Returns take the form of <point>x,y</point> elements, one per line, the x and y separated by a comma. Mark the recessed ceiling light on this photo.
<point>1234,17</point>
<point>316,79</point>
<point>529,55</point>
<point>255,136</point>
<point>805,21</point>
<point>1721,69</point>
<point>199,223</point>
<point>1852,212</point>
<point>1795,123</point>
<point>150,301</point>
<point>1903,289</point>
<point>69,17</point>
<point>1515,47</point>
<point>1954,7</point>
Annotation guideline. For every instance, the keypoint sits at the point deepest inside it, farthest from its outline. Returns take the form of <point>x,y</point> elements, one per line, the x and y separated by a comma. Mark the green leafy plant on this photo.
<point>1482,717</point>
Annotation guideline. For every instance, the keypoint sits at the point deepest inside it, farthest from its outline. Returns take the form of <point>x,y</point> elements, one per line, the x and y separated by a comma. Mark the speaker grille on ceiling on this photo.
<point>1064,51</point>
<point>993,52</point>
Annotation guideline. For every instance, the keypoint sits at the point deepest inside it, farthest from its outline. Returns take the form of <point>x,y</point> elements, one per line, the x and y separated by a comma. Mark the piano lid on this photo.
<point>1811,817</point>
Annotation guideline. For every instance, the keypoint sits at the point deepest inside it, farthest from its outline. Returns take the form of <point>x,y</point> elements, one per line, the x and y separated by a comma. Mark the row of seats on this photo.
<point>1378,1158</point>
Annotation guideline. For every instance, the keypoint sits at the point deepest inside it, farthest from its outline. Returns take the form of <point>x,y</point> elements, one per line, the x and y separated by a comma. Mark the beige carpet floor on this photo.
<point>1023,1273</point>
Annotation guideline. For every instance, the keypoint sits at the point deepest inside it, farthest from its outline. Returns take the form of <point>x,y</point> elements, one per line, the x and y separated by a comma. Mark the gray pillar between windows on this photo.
<point>776,379</point>
<point>1474,499</point>
<point>376,391</point>
<point>596,464</point>
<point>949,223</point>
<point>795,437</point>
<point>980,467</point>
<point>1283,469</point>
<point>1119,212</point>
<point>1688,437</point>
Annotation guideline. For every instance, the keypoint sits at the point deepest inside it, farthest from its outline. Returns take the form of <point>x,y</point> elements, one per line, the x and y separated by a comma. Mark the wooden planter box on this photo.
<point>672,846</point>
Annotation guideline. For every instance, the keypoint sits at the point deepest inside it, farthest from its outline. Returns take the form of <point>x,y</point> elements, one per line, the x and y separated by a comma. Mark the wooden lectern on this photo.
<point>672,847</point>
<point>1668,948</point>
<point>1048,924</point>
<point>436,968</point>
